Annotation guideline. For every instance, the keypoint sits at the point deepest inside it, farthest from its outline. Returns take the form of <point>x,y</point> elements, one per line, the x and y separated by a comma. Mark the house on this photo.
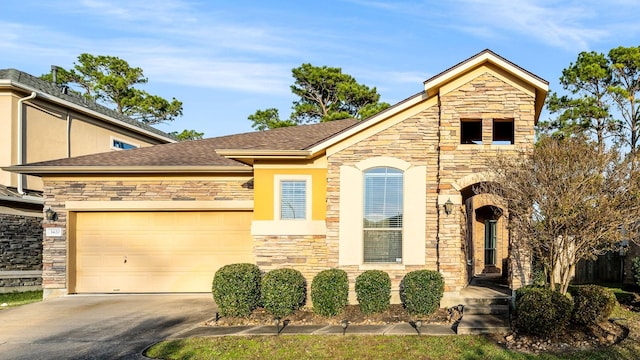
<point>394,192</point>
<point>40,121</point>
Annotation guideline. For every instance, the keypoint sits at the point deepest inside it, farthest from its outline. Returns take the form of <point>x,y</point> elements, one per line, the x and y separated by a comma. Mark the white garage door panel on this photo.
<point>157,251</point>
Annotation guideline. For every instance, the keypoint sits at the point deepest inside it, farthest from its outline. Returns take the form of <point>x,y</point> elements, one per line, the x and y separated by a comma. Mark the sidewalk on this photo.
<point>391,329</point>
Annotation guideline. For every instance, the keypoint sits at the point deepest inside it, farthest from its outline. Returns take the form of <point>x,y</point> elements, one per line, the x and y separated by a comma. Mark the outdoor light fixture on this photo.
<point>418,324</point>
<point>448,207</point>
<point>345,324</point>
<point>276,322</point>
<point>49,214</point>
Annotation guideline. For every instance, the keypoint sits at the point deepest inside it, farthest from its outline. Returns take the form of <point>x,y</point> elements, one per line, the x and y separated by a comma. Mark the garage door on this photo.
<point>156,251</point>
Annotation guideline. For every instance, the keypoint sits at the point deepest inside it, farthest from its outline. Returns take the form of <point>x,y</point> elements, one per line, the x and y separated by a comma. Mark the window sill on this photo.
<point>381,266</point>
<point>288,227</point>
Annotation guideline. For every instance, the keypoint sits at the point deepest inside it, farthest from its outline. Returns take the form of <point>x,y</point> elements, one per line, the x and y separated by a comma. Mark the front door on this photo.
<point>490,235</point>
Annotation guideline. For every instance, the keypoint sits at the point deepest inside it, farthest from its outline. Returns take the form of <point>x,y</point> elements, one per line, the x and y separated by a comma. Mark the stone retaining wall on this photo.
<point>20,251</point>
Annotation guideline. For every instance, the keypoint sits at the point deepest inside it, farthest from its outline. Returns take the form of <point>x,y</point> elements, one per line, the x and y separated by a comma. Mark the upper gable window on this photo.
<point>122,145</point>
<point>471,131</point>
<point>503,133</point>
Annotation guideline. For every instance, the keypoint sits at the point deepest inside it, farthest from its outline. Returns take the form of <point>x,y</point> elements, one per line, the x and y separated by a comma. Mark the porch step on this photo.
<point>483,324</point>
<point>486,309</point>
<point>450,301</point>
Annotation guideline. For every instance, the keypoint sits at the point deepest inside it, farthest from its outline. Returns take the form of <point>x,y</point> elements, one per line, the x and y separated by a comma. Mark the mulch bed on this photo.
<point>574,339</point>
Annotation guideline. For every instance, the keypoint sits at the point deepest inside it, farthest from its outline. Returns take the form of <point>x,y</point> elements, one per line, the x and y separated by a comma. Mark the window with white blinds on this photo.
<point>383,202</point>
<point>293,199</point>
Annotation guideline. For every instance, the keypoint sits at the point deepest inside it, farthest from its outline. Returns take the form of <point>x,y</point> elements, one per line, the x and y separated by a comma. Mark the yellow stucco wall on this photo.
<point>264,189</point>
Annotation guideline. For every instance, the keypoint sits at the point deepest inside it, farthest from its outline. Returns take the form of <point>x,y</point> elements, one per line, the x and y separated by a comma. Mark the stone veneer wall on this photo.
<point>57,192</point>
<point>417,140</point>
<point>413,140</point>
<point>20,249</point>
<point>486,97</point>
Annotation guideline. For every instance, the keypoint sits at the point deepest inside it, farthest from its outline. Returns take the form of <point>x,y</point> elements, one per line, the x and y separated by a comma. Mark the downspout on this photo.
<point>438,183</point>
<point>68,135</point>
<point>21,134</point>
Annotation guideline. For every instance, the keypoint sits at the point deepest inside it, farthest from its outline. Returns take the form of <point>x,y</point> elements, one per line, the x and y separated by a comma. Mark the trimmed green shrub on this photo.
<point>542,311</point>
<point>283,291</point>
<point>373,291</point>
<point>421,291</point>
<point>330,292</point>
<point>527,288</point>
<point>236,289</point>
<point>636,269</point>
<point>592,304</point>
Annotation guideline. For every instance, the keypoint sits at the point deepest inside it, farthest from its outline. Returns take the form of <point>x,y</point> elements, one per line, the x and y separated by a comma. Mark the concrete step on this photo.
<point>483,324</point>
<point>464,300</point>
<point>482,309</point>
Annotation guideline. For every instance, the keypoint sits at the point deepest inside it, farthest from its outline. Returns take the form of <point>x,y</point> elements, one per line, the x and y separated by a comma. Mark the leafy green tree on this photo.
<point>187,135</point>
<point>625,91</point>
<point>567,201</point>
<point>325,94</point>
<point>603,100</point>
<point>588,112</point>
<point>268,119</point>
<point>111,81</point>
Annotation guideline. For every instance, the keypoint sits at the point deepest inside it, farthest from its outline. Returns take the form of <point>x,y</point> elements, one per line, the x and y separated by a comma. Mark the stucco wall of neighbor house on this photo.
<point>20,251</point>
<point>7,113</point>
<point>122,190</point>
<point>45,127</point>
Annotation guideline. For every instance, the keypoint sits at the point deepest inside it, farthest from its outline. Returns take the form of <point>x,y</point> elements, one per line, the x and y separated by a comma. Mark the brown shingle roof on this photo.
<point>203,152</point>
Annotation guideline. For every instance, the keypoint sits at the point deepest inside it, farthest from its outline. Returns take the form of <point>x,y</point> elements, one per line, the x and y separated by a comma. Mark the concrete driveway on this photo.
<point>98,326</point>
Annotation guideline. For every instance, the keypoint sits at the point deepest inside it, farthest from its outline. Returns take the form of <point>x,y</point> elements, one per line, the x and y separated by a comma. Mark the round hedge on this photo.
<point>283,291</point>
<point>330,292</point>
<point>421,291</point>
<point>373,291</point>
<point>592,304</point>
<point>236,289</point>
<point>542,311</point>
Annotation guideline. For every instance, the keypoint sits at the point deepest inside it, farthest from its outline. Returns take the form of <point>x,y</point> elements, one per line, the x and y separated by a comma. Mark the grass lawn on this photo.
<point>467,347</point>
<point>356,347</point>
<point>20,298</point>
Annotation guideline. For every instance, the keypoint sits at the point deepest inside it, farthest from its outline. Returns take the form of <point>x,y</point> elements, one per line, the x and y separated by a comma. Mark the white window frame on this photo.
<point>114,139</point>
<point>351,235</point>
<point>277,194</point>
<point>400,229</point>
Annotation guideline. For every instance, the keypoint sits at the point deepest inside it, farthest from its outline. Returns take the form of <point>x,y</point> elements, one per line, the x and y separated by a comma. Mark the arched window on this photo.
<point>383,203</point>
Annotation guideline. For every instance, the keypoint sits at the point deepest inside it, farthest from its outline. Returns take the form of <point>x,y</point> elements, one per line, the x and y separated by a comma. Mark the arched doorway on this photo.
<point>487,235</point>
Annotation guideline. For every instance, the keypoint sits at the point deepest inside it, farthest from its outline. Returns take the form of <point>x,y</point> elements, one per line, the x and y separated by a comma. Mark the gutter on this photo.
<point>21,134</point>
<point>26,199</point>
<point>63,170</point>
<point>88,111</point>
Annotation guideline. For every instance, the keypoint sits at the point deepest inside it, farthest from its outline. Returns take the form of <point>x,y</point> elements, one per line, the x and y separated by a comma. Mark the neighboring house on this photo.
<point>394,192</point>
<point>40,121</point>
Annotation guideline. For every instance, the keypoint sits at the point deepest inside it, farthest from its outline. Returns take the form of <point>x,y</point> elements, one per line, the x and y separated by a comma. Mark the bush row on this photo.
<point>545,312</point>
<point>240,288</point>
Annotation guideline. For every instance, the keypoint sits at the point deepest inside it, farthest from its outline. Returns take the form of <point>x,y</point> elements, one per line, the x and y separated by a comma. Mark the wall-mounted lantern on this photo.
<point>49,214</point>
<point>448,207</point>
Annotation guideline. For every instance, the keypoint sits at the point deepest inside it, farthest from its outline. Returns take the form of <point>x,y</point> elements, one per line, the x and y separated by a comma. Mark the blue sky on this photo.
<point>226,59</point>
